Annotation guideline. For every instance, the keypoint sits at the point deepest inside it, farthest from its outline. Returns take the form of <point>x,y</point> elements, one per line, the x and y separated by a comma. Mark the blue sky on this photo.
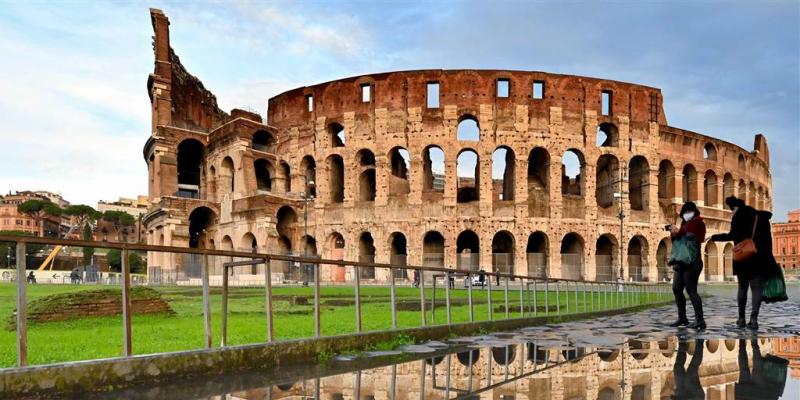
<point>76,113</point>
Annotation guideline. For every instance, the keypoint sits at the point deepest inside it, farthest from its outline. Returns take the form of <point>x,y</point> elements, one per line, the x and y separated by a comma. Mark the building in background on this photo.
<point>135,207</point>
<point>13,220</point>
<point>786,241</point>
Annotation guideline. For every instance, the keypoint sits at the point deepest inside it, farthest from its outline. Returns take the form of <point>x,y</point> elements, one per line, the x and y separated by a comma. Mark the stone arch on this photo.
<point>742,190</point>
<point>504,355</point>
<point>607,180</point>
<point>227,176</point>
<point>190,157</point>
<point>503,169</point>
<point>710,152</point>
<point>468,177</point>
<point>539,183</point>
<point>639,183</point>
<point>400,163</point>
<point>711,261</point>
<point>727,188</point>
<point>286,219</point>
<point>468,251</point>
<point>248,243</point>
<point>572,172</point>
<point>537,252</point>
<point>309,168</point>
<point>662,253</point>
<point>263,141</point>
<point>366,254</point>
<point>741,163</point>
<point>637,259</point>
<point>572,246</point>
<point>689,183</point>
<point>751,195</point>
<point>336,178</point>
<point>710,189</point>
<point>433,160</point>
<point>467,358</point>
<point>433,249</point>
<point>398,247</point>
<point>309,245</point>
<point>760,198</point>
<point>538,354</point>
<point>286,171</point>
<point>666,180</point>
<point>200,219</point>
<point>225,244</point>
<point>367,185</point>
<point>607,135</point>
<point>606,252</point>
<point>264,174</point>
<point>503,252</point>
<point>712,345</point>
<point>335,247</point>
<point>336,135</point>
<point>727,263</point>
<point>468,128</point>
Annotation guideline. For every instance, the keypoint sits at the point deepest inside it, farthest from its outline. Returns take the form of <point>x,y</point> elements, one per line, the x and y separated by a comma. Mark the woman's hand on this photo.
<point>675,229</point>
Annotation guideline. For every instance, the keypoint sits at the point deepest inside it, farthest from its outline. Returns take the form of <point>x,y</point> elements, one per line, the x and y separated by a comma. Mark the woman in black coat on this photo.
<point>746,223</point>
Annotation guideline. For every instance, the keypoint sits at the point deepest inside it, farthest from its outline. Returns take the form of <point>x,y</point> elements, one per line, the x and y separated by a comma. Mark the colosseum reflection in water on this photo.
<point>467,169</point>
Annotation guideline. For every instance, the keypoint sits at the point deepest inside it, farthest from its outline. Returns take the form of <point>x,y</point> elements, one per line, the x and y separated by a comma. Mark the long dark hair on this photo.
<point>689,206</point>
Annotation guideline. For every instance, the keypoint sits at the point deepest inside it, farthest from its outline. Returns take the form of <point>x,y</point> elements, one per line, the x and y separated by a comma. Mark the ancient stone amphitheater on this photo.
<point>468,169</point>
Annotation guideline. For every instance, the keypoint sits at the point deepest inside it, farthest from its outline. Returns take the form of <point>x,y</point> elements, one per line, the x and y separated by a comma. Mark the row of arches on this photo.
<point>692,186</point>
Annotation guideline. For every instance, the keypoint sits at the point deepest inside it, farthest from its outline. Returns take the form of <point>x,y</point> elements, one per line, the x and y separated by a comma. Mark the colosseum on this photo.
<point>514,171</point>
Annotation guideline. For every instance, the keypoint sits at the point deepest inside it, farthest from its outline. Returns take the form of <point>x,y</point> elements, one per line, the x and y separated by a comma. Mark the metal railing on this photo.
<point>571,296</point>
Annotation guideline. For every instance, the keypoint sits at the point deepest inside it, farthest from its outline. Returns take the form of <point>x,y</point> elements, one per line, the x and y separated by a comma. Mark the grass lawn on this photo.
<point>101,337</point>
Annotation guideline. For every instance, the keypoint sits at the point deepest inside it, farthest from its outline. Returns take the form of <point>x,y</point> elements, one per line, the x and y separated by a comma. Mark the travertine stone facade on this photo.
<point>361,146</point>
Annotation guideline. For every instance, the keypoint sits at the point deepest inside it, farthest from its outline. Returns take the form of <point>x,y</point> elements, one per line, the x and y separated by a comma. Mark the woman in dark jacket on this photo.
<point>746,223</point>
<point>686,276</point>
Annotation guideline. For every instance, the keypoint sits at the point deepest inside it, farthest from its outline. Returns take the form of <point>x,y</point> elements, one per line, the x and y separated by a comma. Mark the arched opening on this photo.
<point>689,183</point>
<point>607,135</point>
<point>503,174</point>
<point>503,252</point>
<point>760,198</point>
<point>468,169</point>
<point>710,189</point>
<point>309,168</point>
<point>538,354</point>
<point>286,222</point>
<point>263,141</point>
<point>200,219</point>
<point>433,249</point>
<point>190,156</point>
<point>639,183</point>
<point>727,253</point>
<point>607,180</point>
<point>727,188</point>
<point>666,180</point>
<point>468,250</point>
<point>336,134</point>
<point>662,252</point>
<point>249,244</point>
<point>606,251</point>
<point>742,190</point>
<point>225,244</point>
<point>400,165</point>
<point>335,244</point>
<point>468,129</point>
<point>287,177</point>
<point>366,254</point>
<point>539,183</point>
<point>397,254</point>
<point>467,358</point>
<point>336,178</point>
<point>227,177</point>
<point>711,261</point>
<point>433,174</point>
<point>710,152</point>
<point>263,175</point>
<point>741,163</point>
<point>637,259</point>
<point>503,355</point>
<point>751,195</point>
<point>572,185</point>
<point>572,256</point>
<point>367,185</point>
<point>309,246</point>
<point>537,254</point>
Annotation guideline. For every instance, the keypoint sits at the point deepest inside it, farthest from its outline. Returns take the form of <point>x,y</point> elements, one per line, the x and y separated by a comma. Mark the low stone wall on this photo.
<point>117,373</point>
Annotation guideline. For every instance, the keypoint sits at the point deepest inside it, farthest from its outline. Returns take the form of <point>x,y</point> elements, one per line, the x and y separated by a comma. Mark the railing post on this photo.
<point>22,307</point>
<point>433,300</point>
<point>535,307</point>
<point>469,298</point>
<point>489,294</point>
<point>558,297</point>
<point>357,275</point>
<point>206,303</point>
<point>575,287</point>
<point>546,296</point>
<point>447,298</point>
<point>224,340</point>
<point>317,322</point>
<point>521,298</point>
<point>422,297</point>
<point>505,290</point>
<point>566,298</point>
<point>585,302</point>
<point>268,295</point>
<point>392,296</point>
<point>126,304</point>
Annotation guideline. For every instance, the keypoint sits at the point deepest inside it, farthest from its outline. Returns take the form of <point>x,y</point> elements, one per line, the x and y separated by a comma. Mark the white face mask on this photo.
<point>688,216</point>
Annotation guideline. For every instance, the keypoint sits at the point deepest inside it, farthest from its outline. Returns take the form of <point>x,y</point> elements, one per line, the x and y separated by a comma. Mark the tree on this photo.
<point>10,248</point>
<point>119,219</point>
<point>114,258</point>
<point>88,252</point>
<point>37,209</point>
<point>83,214</point>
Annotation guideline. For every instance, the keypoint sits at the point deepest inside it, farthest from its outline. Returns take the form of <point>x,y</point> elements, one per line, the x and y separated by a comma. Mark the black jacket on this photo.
<point>763,264</point>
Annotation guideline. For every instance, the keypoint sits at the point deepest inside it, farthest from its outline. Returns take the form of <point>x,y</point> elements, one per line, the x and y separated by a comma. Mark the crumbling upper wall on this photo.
<point>178,98</point>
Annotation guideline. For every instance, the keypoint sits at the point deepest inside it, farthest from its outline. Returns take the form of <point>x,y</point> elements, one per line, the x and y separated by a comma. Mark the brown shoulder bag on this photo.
<point>746,249</point>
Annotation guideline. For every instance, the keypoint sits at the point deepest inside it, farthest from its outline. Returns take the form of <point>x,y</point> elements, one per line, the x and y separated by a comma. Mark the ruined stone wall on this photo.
<point>382,209</point>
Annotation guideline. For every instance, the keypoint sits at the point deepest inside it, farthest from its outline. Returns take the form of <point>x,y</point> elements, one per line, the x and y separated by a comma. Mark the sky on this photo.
<point>75,110</point>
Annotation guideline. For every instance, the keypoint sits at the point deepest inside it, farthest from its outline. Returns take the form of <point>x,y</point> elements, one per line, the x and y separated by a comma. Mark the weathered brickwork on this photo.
<point>235,181</point>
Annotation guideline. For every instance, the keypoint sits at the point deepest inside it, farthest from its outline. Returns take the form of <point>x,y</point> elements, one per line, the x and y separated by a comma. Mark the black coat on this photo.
<point>763,264</point>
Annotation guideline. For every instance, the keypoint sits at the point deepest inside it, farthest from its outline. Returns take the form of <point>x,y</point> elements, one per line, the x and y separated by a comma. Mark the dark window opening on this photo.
<point>538,90</point>
<point>433,95</point>
<point>607,101</point>
<point>503,87</point>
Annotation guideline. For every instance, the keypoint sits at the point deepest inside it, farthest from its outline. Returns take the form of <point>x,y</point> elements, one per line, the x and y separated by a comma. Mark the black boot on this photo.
<point>680,322</point>
<point>740,323</point>
<point>753,324</point>
<point>699,324</point>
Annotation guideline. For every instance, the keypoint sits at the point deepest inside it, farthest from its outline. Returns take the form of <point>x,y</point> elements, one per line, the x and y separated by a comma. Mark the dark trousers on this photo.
<point>741,297</point>
<point>687,279</point>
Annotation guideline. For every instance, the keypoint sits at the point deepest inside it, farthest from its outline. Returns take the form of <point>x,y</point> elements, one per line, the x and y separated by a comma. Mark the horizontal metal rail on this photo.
<point>623,294</point>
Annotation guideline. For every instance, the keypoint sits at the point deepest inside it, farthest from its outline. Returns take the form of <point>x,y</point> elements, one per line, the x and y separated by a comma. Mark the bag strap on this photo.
<point>755,223</point>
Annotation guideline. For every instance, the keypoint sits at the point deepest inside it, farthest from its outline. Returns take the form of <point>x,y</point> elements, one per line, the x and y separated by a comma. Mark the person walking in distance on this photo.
<point>749,223</point>
<point>693,232</point>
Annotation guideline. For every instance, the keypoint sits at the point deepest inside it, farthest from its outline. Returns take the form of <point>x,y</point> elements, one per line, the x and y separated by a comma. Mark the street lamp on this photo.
<point>621,215</point>
<point>306,198</point>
